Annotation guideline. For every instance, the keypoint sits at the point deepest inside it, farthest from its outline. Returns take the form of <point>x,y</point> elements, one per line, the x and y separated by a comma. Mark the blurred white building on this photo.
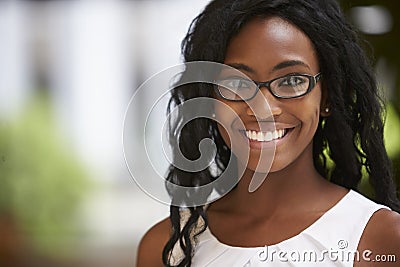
<point>90,56</point>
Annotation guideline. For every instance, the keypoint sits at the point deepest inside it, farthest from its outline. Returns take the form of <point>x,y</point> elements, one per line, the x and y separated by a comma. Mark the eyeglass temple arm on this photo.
<point>318,77</point>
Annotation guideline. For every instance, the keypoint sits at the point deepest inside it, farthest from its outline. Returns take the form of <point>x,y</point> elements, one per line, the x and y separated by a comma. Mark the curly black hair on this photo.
<point>351,137</point>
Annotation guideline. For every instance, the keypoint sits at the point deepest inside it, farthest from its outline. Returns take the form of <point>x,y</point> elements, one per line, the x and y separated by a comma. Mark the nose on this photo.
<point>264,105</point>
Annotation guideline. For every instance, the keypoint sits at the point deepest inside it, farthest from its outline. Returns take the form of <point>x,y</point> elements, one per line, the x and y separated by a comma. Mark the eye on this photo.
<point>292,81</point>
<point>236,83</point>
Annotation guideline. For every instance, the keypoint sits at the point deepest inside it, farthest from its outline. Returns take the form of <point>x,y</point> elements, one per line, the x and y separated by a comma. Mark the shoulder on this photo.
<point>380,242</point>
<point>152,244</point>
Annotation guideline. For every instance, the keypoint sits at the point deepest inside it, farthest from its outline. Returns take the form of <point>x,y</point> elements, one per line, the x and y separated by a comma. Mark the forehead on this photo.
<point>262,43</point>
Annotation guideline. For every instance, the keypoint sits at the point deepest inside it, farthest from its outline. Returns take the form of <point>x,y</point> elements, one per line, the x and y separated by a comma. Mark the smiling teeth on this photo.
<point>265,136</point>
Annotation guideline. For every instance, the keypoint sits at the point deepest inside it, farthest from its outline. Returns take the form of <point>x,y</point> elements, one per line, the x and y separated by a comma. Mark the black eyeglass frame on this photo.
<point>313,80</point>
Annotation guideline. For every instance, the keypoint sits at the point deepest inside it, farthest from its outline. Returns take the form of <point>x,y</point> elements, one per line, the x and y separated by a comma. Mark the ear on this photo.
<point>325,109</point>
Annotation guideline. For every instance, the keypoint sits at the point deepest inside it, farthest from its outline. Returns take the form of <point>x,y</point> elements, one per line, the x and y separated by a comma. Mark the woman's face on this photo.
<point>265,49</point>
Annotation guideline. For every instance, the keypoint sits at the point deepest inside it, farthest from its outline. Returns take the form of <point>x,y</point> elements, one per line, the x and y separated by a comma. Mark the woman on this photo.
<point>306,208</point>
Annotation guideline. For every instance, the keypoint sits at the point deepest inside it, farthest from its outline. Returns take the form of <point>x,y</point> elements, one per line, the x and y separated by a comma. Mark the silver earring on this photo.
<point>327,109</point>
<point>213,115</point>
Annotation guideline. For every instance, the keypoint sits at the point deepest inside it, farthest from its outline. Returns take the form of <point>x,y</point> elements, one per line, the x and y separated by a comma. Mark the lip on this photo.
<point>266,144</point>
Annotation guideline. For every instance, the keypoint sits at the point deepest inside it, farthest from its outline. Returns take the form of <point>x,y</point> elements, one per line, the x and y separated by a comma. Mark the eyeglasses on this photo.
<point>289,86</point>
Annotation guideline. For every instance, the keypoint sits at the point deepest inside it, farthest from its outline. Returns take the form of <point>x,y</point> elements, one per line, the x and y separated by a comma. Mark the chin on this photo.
<point>259,166</point>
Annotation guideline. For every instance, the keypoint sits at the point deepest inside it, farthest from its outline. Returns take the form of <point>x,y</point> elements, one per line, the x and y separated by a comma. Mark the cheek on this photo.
<point>231,127</point>
<point>316,112</point>
<point>311,107</point>
<point>310,117</point>
<point>226,114</point>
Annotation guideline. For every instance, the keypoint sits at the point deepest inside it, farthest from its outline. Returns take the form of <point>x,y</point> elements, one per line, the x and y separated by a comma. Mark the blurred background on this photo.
<point>67,72</point>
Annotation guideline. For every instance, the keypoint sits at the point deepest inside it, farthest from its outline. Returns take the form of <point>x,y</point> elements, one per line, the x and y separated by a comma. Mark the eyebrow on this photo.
<point>279,66</point>
<point>289,63</point>
<point>240,66</point>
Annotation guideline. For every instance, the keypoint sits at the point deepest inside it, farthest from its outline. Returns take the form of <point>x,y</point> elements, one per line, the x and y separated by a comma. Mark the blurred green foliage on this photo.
<point>392,144</point>
<point>392,131</point>
<point>42,181</point>
<point>386,46</point>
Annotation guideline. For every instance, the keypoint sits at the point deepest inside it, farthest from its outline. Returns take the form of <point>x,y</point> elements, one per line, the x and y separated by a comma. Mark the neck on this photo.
<point>287,189</point>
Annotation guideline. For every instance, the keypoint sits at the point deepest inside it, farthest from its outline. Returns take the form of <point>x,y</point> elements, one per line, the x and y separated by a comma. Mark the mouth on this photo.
<point>266,136</point>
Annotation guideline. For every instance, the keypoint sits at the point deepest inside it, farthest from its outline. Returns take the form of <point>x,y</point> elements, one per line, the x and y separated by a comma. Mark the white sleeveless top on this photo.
<point>332,240</point>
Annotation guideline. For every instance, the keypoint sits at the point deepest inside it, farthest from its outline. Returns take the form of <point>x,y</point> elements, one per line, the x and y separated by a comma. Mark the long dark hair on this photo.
<point>351,137</point>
